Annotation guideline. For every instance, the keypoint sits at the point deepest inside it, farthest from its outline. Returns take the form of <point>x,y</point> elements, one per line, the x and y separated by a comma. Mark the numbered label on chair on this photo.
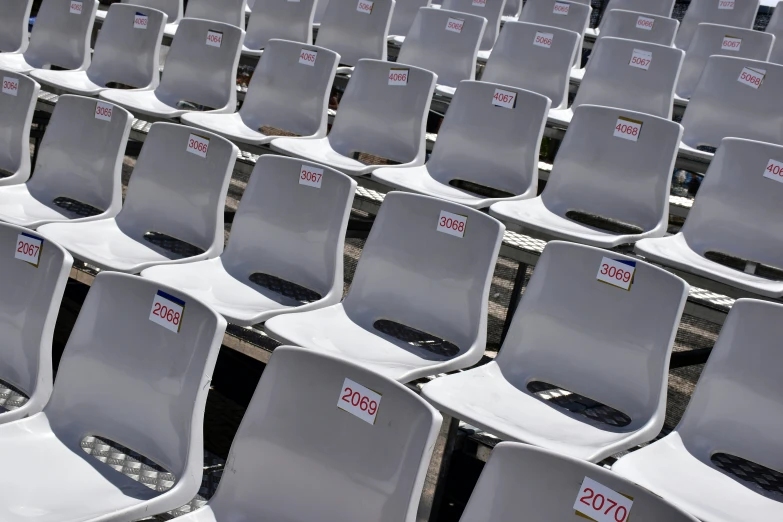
<point>452,224</point>
<point>602,504</point>
<point>214,38</point>
<point>103,111</point>
<point>731,44</point>
<point>307,57</point>
<point>561,8</point>
<point>28,249</point>
<point>507,99</point>
<point>752,77</point>
<point>726,4</point>
<point>774,170</point>
<point>167,311</point>
<point>398,76</point>
<point>617,273</point>
<point>10,86</point>
<point>645,23</point>
<point>543,39</point>
<point>364,6</point>
<point>641,59</point>
<point>198,145</point>
<point>310,176</point>
<point>359,400</point>
<point>76,7</point>
<point>479,3</point>
<point>455,25</point>
<point>141,21</point>
<point>627,129</point>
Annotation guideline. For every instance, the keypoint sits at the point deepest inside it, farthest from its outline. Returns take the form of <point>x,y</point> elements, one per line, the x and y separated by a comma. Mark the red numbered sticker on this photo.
<point>398,76</point>
<point>311,176</point>
<point>307,57</point>
<point>455,25</point>
<point>214,38</point>
<point>617,273</point>
<point>364,6</point>
<point>774,170</point>
<point>599,503</point>
<point>561,8</point>
<point>359,400</point>
<point>76,7</point>
<point>731,44</point>
<point>167,311</point>
<point>645,23</point>
<point>103,111</point>
<point>140,22</point>
<point>641,59</point>
<point>479,3</point>
<point>627,129</point>
<point>10,86</point>
<point>543,39</point>
<point>507,99</point>
<point>726,4</point>
<point>453,224</point>
<point>198,145</point>
<point>28,249</point>
<point>752,77</point>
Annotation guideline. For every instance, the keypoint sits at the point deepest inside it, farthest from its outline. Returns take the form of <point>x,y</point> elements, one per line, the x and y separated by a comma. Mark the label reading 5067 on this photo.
<point>167,311</point>
<point>359,400</point>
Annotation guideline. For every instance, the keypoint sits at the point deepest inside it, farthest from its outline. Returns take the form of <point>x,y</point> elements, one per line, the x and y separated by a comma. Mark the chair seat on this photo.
<point>445,90</point>
<point>396,39</point>
<point>674,251</point>
<point>202,514</point>
<point>170,30</point>
<point>247,51</point>
<point>21,208</point>
<point>142,103</point>
<point>688,152</point>
<point>321,151</point>
<point>76,82</point>
<point>483,397</point>
<point>15,62</point>
<point>229,125</point>
<point>668,469</point>
<point>577,74</point>
<point>505,19</point>
<point>483,56</point>
<point>560,117</point>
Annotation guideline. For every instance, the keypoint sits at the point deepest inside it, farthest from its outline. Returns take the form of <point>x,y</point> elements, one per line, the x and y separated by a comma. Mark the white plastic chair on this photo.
<point>78,175</point>
<point>29,305</point>
<point>742,14</point>
<point>124,54</point>
<point>279,259</point>
<point>512,10</point>
<point>173,8</point>
<point>711,39</point>
<point>584,368</point>
<point>604,190</point>
<point>267,111</point>
<point>18,98</point>
<point>492,10</point>
<point>377,124</point>
<point>405,12</point>
<point>484,153</point>
<point>521,59</point>
<point>775,27</point>
<point>197,74</point>
<point>230,12</point>
<point>355,34</point>
<point>577,19</point>
<point>418,302</point>
<point>124,378</point>
<point>14,20</point>
<point>284,20</point>
<point>734,416</point>
<point>324,463</point>
<point>446,43</point>
<point>173,211</point>
<point>524,479</point>
<point>60,37</point>
<point>657,8</point>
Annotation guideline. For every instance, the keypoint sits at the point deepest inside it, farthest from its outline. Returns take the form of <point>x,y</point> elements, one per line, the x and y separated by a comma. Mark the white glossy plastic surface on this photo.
<point>775,26</point>
<point>230,12</point>
<point>662,8</point>
<point>274,19</point>
<point>173,8</point>
<point>577,20</point>
<point>404,13</point>
<point>14,19</point>
<point>356,35</point>
<point>15,126</point>
<point>707,11</point>
<point>619,23</point>
<point>492,10</point>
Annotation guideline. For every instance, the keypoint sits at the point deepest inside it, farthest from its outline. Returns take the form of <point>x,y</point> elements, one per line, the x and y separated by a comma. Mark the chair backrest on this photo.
<point>633,25</point>
<point>85,166</point>
<point>553,484</point>
<point>273,236</point>
<point>197,70</point>
<point>18,98</point>
<point>129,379</point>
<point>662,8</point>
<point>404,13</point>
<point>504,141</point>
<point>285,20</point>
<point>382,119</point>
<point>320,9</point>
<point>177,192</point>
<point>127,51</point>
<point>61,34</point>
<point>775,26</point>
<point>736,13</point>
<point>712,39</point>
<point>617,343</point>
<point>28,311</point>
<point>314,464</point>
<point>616,76</point>
<point>534,57</point>
<point>354,33</point>
<point>14,19</point>
<point>173,8</point>
<point>430,280</point>
<point>573,16</point>
<point>226,11</point>
<point>723,104</point>
<point>601,173</point>
<point>444,42</point>
<point>281,77</point>
<point>492,10</point>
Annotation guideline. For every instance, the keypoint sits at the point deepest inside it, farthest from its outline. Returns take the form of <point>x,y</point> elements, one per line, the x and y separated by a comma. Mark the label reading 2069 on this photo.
<point>359,400</point>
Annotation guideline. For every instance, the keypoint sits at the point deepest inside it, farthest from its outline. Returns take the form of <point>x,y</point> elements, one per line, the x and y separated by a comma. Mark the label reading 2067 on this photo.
<point>28,249</point>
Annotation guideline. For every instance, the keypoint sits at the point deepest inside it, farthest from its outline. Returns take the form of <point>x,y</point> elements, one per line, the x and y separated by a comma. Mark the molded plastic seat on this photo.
<point>418,302</point>
<point>59,38</point>
<point>197,74</point>
<point>656,8</point>
<point>173,211</point>
<point>607,346</point>
<point>731,216</point>
<point>14,20</point>
<point>355,34</point>
<point>78,175</point>
<point>709,40</point>
<point>377,124</point>
<point>492,10</point>
<point>296,257</point>
<point>315,465</point>
<point>432,45</point>
<point>519,62</point>
<point>611,79</point>
<point>577,19</point>
<point>775,27</point>
<point>173,8</point>
<point>123,55</point>
<point>722,106</point>
<point>735,412</point>
<point>492,150</point>
<point>17,110</point>
<point>125,378</point>
<point>230,12</point>
<point>31,297</point>
<point>274,19</point>
<point>512,10</point>
<point>405,12</point>
<point>524,479</point>
<point>742,14</point>
<point>267,110</point>
<point>604,190</point>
